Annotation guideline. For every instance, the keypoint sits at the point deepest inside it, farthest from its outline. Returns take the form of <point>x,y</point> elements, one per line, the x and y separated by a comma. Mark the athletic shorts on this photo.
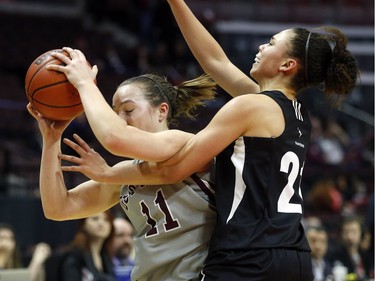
<point>259,265</point>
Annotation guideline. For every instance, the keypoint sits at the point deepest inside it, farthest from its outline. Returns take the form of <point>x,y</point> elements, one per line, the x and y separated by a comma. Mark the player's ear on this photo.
<point>289,66</point>
<point>163,111</point>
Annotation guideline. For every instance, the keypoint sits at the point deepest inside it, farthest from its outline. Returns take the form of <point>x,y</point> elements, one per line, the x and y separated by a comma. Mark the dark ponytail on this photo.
<point>334,69</point>
<point>342,72</point>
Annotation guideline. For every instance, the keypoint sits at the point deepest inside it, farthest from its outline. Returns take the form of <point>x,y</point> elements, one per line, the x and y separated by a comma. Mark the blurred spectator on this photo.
<point>89,255</point>
<point>37,264</point>
<point>324,197</point>
<point>354,193</point>
<point>10,256</point>
<point>332,142</point>
<point>311,221</point>
<point>348,251</point>
<point>367,244</point>
<point>123,249</point>
<point>318,241</point>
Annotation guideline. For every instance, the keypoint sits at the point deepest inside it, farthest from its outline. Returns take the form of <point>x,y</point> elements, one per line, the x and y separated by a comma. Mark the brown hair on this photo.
<point>352,219</point>
<point>335,68</point>
<point>81,239</point>
<point>16,260</point>
<point>182,99</point>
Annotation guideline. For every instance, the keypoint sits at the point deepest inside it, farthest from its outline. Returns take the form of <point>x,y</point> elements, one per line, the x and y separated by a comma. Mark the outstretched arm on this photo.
<point>58,202</point>
<point>227,125</point>
<point>92,165</point>
<point>193,156</point>
<point>263,119</point>
<point>209,53</point>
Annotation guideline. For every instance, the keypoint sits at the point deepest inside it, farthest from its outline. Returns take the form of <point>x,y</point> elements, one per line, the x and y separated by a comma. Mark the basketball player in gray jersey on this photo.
<point>173,226</point>
<point>173,223</point>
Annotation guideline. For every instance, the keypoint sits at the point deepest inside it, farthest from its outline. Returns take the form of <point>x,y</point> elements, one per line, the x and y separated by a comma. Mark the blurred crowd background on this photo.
<point>131,37</point>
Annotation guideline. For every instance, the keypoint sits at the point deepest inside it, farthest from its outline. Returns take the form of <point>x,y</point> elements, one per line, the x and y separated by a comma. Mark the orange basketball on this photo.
<point>49,91</point>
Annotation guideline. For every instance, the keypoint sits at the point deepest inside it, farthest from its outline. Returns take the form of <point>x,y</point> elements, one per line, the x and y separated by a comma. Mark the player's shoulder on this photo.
<point>253,103</point>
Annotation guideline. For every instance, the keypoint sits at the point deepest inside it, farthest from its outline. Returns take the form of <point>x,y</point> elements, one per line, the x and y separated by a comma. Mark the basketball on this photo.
<point>49,91</point>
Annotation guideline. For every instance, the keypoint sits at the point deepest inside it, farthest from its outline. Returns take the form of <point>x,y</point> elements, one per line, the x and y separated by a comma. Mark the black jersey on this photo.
<point>258,194</point>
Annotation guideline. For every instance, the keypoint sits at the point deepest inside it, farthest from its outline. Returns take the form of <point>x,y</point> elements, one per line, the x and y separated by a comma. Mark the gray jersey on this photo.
<point>173,225</point>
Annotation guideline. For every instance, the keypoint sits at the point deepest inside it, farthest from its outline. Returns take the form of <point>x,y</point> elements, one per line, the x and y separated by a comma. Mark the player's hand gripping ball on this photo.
<point>49,91</point>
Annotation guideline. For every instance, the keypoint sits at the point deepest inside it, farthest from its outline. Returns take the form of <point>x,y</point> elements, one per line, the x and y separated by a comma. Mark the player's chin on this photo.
<point>254,72</point>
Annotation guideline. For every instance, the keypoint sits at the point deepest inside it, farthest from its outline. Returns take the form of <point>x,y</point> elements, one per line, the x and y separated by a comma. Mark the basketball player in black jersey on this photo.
<point>259,140</point>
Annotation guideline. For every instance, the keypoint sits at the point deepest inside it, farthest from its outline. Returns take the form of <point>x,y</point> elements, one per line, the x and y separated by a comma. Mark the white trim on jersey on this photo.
<point>238,160</point>
<point>203,275</point>
<point>297,110</point>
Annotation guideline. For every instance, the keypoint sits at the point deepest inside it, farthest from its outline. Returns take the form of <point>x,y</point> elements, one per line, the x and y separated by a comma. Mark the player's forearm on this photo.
<point>145,173</point>
<point>197,37</point>
<point>210,54</point>
<point>104,122</point>
<point>113,132</point>
<point>120,139</point>
<point>114,175</point>
<point>52,187</point>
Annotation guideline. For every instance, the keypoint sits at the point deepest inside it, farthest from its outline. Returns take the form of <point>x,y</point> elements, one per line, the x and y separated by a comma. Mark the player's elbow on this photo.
<point>54,214</point>
<point>170,175</point>
<point>110,142</point>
